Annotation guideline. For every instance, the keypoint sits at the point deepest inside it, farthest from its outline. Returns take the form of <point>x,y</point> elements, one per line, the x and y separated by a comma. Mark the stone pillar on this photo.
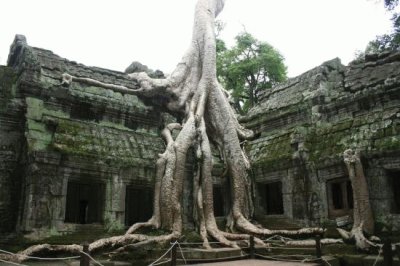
<point>115,201</point>
<point>43,207</point>
<point>65,175</point>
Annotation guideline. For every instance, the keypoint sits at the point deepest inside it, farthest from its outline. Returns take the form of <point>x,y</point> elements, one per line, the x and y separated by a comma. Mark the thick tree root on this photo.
<point>312,242</point>
<point>118,244</point>
<point>137,226</point>
<point>193,91</point>
<point>362,212</point>
<point>36,249</point>
<point>357,235</point>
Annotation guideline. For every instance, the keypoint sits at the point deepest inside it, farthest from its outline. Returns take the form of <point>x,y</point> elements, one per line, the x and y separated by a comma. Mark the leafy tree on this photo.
<point>387,42</point>
<point>249,67</point>
<point>391,4</point>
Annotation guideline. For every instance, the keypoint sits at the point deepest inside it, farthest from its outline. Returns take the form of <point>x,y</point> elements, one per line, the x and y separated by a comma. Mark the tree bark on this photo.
<point>363,220</point>
<point>208,117</point>
<point>193,90</point>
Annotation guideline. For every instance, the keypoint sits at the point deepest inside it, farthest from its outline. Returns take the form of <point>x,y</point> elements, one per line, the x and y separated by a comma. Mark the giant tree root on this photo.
<point>362,212</point>
<point>38,249</point>
<point>312,242</point>
<point>117,243</point>
<point>193,92</point>
<point>357,234</point>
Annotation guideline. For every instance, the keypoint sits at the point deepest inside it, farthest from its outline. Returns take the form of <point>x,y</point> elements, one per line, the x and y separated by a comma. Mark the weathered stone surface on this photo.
<point>306,123</point>
<point>54,138</point>
<point>51,135</point>
<point>11,143</point>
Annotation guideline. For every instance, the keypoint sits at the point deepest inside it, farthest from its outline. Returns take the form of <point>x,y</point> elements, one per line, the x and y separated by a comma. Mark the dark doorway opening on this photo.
<point>340,197</point>
<point>337,196</point>
<point>138,204</point>
<point>395,184</point>
<point>218,198</point>
<point>85,203</point>
<point>271,198</point>
<point>83,211</point>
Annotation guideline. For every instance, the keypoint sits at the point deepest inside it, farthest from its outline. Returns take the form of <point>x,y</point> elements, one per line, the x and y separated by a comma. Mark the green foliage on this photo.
<point>386,42</point>
<point>192,237</point>
<point>112,225</point>
<point>382,43</point>
<point>391,4</point>
<point>248,68</point>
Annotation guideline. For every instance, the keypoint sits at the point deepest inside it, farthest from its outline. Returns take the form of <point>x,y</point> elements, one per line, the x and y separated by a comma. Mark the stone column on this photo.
<point>115,201</point>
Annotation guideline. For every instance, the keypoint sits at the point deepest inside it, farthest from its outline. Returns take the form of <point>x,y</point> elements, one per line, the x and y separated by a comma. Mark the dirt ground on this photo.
<point>255,263</point>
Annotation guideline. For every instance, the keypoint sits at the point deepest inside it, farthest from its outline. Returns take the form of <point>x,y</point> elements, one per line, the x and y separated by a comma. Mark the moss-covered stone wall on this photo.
<point>305,124</point>
<point>51,136</point>
<point>11,145</point>
<point>82,134</point>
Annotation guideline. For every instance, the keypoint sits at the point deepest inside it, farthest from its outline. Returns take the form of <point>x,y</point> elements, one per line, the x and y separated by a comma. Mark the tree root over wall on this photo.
<point>193,91</point>
<point>363,220</point>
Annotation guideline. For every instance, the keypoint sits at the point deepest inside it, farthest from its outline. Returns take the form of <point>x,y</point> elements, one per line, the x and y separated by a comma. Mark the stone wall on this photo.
<point>52,135</point>
<point>305,124</point>
<point>11,146</point>
<point>57,143</point>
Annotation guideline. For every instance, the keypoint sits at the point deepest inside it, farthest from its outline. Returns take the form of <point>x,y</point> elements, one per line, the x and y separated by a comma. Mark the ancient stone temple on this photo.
<point>83,154</point>
<point>305,124</point>
<point>73,155</point>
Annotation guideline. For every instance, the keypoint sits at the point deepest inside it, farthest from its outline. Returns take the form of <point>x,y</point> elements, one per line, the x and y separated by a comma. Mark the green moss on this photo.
<point>37,126</point>
<point>106,141</point>
<point>343,125</point>
<point>114,125</point>
<point>112,225</point>
<point>323,143</point>
<point>275,150</point>
<point>191,237</point>
<point>70,138</point>
<point>38,136</point>
<point>8,80</point>
<point>109,144</point>
<point>387,143</point>
<point>47,82</point>
<point>264,118</point>
<point>38,140</point>
<point>34,108</point>
<point>108,97</point>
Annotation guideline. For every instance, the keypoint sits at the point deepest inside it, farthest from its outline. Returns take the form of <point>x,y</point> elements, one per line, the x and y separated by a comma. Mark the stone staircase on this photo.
<point>6,238</point>
<point>278,222</point>
<point>81,233</point>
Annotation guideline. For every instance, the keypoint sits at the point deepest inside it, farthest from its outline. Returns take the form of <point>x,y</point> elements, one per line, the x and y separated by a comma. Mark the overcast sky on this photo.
<point>112,34</point>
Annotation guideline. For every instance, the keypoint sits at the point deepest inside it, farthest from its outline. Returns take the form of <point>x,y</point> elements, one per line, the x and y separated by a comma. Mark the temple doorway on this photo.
<point>271,198</point>
<point>138,204</point>
<point>85,203</point>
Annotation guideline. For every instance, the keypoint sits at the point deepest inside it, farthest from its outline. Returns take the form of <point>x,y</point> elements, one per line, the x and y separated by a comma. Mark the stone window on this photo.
<point>85,203</point>
<point>218,201</point>
<point>131,123</point>
<point>340,197</point>
<point>85,111</point>
<point>271,198</point>
<point>138,204</point>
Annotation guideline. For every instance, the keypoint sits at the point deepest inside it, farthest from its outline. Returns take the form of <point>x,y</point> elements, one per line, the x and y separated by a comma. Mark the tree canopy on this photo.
<point>391,4</point>
<point>247,68</point>
<point>389,41</point>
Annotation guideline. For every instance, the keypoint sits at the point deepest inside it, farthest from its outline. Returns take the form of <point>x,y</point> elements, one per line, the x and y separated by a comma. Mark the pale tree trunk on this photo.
<point>363,220</point>
<point>193,90</point>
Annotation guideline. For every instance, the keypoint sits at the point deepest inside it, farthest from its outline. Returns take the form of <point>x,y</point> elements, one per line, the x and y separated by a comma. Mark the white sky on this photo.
<point>112,34</point>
